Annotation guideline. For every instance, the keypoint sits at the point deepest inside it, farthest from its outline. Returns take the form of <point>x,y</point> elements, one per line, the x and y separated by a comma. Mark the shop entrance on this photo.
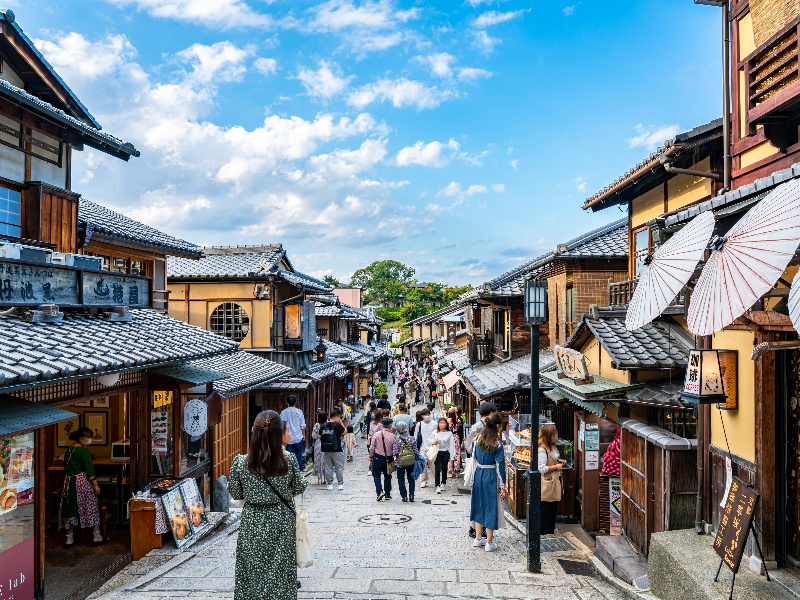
<point>78,571</point>
<point>787,419</point>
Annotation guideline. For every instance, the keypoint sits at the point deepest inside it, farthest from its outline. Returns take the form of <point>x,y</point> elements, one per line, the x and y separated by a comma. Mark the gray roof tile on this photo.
<point>88,343</point>
<point>106,222</point>
<point>242,261</point>
<point>246,372</point>
<point>497,378</point>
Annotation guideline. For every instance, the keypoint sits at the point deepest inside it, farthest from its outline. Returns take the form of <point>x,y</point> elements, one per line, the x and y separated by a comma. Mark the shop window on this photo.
<point>679,422</point>
<point>137,267</point>
<point>161,433</point>
<point>119,265</point>
<point>106,260</point>
<point>571,316</point>
<point>16,513</point>
<point>643,245</point>
<point>499,329</point>
<point>10,212</point>
<point>194,448</point>
<point>231,321</point>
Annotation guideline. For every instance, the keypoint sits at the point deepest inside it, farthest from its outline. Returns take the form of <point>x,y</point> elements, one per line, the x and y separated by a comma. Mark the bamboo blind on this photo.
<point>770,16</point>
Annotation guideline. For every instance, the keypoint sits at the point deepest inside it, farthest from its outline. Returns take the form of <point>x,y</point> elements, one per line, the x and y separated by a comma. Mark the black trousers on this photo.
<point>548,520</point>
<point>441,466</point>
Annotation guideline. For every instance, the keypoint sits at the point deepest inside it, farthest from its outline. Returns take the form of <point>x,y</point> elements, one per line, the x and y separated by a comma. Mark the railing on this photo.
<point>161,300</point>
<point>773,79</point>
<point>621,292</point>
<point>483,352</point>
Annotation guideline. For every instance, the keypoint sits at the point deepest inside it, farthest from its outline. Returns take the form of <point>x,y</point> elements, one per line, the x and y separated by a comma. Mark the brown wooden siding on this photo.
<point>230,434</point>
<point>50,216</point>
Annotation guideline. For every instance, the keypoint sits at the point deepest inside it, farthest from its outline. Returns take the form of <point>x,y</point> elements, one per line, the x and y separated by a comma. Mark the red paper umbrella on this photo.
<point>748,261</point>
<point>668,270</point>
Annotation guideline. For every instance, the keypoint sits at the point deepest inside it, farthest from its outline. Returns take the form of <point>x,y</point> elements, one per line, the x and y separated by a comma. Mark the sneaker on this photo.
<point>341,487</point>
<point>330,486</point>
<point>387,497</point>
<point>424,484</point>
<point>405,499</point>
<point>479,543</point>
<point>438,489</point>
<point>411,498</point>
<point>381,496</point>
<point>491,547</point>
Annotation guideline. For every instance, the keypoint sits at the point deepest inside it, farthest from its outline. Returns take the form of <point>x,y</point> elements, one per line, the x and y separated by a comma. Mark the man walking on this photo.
<point>331,445</point>
<point>296,422</point>
<point>403,416</point>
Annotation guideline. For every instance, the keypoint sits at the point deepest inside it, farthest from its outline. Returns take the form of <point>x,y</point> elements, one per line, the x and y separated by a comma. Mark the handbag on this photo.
<point>551,484</point>
<point>302,537</point>
<point>470,467</point>
<point>390,466</point>
<point>432,453</point>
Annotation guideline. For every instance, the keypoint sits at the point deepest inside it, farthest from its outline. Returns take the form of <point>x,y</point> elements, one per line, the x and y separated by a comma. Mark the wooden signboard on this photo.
<point>735,525</point>
<point>572,364</point>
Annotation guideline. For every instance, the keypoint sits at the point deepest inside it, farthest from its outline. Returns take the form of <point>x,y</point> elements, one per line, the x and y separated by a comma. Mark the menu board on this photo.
<point>178,516</point>
<point>735,524</point>
<point>194,504</point>
<point>16,472</point>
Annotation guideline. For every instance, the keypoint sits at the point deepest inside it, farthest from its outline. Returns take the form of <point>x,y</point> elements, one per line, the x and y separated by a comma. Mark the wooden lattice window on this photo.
<point>231,321</point>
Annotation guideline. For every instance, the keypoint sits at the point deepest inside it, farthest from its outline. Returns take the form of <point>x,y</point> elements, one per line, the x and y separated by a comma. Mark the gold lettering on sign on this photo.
<point>572,364</point>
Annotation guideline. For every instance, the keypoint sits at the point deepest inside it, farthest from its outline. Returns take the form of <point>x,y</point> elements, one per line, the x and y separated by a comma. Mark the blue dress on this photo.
<point>485,507</point>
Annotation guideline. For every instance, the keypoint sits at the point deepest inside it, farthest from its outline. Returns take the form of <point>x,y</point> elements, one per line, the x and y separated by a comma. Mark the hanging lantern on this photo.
<point>703,384</point>
<point>319,351</point>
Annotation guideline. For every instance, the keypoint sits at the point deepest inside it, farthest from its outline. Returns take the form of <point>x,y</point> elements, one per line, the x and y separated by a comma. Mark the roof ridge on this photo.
<point>243,249</point>
<point>596,233</point>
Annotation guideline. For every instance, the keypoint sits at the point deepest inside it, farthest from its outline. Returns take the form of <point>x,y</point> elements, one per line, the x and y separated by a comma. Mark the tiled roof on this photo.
<point>659,345</point>
<point>302,280</point>
<point>287,384</point>
<point>325,298</point>
<point>436,315</point>
<point>108,223</point>
<point>354,356</point>
<point>457,359</point>
<point>247,371</point>
<point>326,368</point>
<point>90,135</point>
<point>687,140</point>
<point>497,378</point>
<point>739,199</point>
<point>369,350</point>
<point>609,241</point>
<point>658,393</point>
<point>342,312</point>
<point>240,261</point>
<point>86,344</point>
<point>368,327</point>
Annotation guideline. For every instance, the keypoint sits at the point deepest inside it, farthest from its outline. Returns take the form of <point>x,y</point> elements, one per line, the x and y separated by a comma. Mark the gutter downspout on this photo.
<point>726,99</point>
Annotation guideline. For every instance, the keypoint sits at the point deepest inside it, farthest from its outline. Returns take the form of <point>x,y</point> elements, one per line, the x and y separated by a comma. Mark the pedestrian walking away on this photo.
<point>331,435</point>
<point>319,458</point>
<point>405,455</point>
<point>443,440</point>
<point>267,479</point>
<point>486,511</point>
<point>550,465</point>
<point>350,444</point>
<point>296,421</point>
<point>382,459</point>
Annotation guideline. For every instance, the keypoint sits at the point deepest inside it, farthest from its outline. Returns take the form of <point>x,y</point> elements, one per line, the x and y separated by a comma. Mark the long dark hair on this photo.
<point>265,454</point>
<point>489,437</point>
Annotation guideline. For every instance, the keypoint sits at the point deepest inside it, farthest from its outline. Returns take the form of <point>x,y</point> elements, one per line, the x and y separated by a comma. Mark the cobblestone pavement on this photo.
<point>381,550</point>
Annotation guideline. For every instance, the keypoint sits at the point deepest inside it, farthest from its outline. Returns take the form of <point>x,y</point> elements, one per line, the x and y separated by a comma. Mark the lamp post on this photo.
<point>319,351</point>
<point>535,315</point>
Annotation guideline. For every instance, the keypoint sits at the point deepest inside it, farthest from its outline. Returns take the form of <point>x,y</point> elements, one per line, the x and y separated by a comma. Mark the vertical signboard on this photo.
<point>592,443</point>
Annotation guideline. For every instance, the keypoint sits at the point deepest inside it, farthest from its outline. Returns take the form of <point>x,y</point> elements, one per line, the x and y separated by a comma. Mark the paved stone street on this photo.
<point>380,550</point>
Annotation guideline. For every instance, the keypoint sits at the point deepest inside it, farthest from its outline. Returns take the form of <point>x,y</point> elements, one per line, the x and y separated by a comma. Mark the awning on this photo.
<point>600,390</point>
<point>190,373</point>
<point>287,383</point>
<point>451,379</point>
<point>556,395</point>
<point>18,415</point>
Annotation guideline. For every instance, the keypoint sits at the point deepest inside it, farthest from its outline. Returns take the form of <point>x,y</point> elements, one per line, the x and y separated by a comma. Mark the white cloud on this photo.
<point>514,164</point>
<point>324,83</point>
<point>580,184</point>
<point>472,74</point>
<point>484,42</point>
<point>493,17</point>
<point>473,160</point>
<point>569,10</point>
<point>477,3</point>
<point>440,64</point>
<point>401,93</point>
<point>216,63</point>
<point>498,187</point>
<point>651,137</point>
<point>218,14</point>
<point>336,15</point>
<point>342,164</point>
<point>76,58</point>
<point>433,154</point>
<point>454,189</point>
<point>266,66</point>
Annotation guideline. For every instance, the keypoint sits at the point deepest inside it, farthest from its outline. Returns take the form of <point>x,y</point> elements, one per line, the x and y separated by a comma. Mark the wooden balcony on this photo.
<point>621,292</point>
<point>772,82</point>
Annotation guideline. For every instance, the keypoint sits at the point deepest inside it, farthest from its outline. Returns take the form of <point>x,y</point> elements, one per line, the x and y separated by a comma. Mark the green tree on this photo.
<point>417,304</point>
<point>452,293</point>
<point>331,280</point>
<point>383,281</point>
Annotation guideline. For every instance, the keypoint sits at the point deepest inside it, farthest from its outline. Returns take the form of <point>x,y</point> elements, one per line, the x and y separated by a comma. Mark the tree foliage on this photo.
<point>331,280</point>
<point>383,281</point>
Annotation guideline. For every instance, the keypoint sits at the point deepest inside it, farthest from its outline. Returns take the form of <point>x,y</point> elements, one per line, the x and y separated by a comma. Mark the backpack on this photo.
<point>327,439</point>
<point>406,456</point>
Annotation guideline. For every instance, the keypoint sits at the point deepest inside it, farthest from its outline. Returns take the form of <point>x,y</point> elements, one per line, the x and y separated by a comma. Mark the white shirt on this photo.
<point>446,441</point>
<point>543,467</point>
<point>427,429</point>
<point>296,422</point>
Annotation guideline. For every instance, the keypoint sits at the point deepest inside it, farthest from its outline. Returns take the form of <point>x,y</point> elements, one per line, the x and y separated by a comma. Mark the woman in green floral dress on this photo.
<point>267,479</point>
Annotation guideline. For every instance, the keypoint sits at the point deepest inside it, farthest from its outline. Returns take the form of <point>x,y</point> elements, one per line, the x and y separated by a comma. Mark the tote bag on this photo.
<point>432,452</point>
<point>470,467</point>
<point>305,557</point>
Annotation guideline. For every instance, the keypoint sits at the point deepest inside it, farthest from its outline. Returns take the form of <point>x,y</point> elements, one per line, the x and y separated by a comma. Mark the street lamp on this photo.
<point>319,351</point>
<point>535,315</point>
<point>703,383</point>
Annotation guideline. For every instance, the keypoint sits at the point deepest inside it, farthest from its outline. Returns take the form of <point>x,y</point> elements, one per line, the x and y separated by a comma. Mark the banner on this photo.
<point>615,502</point>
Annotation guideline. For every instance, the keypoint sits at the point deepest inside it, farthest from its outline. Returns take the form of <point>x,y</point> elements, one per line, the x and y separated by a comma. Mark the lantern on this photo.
<point>535,301</point>
<point>319,351</point>
<point>703,384</point>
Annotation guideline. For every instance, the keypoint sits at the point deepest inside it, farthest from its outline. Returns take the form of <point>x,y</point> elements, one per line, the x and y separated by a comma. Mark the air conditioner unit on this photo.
<point>8,250</point>
<point>91,263</point>
<point>62,258</point>
<point>35,255</point>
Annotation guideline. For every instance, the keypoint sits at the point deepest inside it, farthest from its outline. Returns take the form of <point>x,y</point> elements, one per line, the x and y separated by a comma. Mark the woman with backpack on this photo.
<point>405,455</point>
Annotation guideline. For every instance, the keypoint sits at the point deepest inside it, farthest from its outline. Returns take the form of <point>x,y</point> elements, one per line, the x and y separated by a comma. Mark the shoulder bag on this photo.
<point>305,557</point>
<point>551,482</point>
<point>390,466</point>
<point>470,467</point>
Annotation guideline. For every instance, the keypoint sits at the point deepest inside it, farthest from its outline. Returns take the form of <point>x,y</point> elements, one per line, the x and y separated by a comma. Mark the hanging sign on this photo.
<point>195,417</point>
<point>572,364</point>
<point>451,334</point>
<point>592,443</point>
<point>162,398</point>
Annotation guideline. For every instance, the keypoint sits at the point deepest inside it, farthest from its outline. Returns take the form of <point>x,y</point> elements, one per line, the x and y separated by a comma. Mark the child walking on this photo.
<point>350,444</point>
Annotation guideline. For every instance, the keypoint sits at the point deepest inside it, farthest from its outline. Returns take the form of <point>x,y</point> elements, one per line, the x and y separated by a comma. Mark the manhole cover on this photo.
<point>384,519</point>
<point>576,567</point>
<point>439,502</point>
<point>555,544</point>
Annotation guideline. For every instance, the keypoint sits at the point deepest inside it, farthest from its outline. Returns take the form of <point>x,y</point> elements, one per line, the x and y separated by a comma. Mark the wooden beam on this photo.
<point>765,447</point>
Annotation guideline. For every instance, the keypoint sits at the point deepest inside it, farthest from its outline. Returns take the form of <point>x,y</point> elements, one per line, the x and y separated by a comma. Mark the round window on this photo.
<point>230,320</point>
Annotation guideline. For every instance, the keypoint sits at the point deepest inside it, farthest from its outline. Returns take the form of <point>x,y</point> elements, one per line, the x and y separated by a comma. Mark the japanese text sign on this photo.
<point>735,524</point>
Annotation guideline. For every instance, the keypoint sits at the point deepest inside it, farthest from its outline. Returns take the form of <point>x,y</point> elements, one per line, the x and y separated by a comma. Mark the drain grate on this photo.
<point>576,567</point>
<point>555,544</point>
<point>384,519</point>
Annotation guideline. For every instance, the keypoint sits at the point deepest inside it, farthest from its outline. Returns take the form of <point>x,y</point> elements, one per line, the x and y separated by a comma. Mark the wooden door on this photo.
<point>790,439</point>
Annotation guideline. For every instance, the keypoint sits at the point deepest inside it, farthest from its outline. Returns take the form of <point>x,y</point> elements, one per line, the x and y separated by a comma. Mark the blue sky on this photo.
<point>459,138</point>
